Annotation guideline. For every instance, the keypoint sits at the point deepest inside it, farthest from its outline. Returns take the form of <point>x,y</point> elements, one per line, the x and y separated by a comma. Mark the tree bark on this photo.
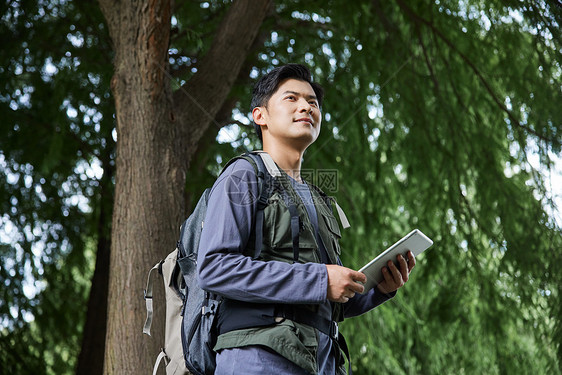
<point>157,133</point>
<point>146,176</point>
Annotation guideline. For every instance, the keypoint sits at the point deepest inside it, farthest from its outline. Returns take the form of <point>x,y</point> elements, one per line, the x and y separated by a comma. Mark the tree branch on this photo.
<point>428,63</point>
<point>83,146</point>
<point>481,78</point>
<point>220,66</point>
<point>294,24</point>
<point>389,27</point>
<point>196,104</point>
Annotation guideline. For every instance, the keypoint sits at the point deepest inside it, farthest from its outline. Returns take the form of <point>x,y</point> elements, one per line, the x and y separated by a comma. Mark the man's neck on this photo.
<point>287,158</point>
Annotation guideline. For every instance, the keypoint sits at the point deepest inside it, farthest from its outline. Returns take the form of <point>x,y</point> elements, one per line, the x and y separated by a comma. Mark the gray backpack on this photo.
<point>190,311</point>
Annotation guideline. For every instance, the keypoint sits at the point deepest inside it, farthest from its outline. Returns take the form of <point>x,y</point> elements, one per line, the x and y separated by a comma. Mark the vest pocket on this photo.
<point>332,224</point>
<point>299,345</point>
<point>278,221</point>
<point>278,241</point>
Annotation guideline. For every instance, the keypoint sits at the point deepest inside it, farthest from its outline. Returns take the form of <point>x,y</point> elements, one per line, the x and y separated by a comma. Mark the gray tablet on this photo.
<point>415,241</point>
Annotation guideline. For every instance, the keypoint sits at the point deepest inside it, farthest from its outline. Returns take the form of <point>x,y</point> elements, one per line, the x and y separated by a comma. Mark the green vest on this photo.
<point>294,341</point>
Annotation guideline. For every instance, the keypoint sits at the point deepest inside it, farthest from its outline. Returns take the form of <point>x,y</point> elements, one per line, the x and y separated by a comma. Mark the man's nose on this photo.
<point>304,106</point>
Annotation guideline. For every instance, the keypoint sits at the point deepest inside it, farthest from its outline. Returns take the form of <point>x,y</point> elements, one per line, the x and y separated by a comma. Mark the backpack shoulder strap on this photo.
<point>260,160</point>
<point>267,171</point>
<point>265,186</point>
<point>267,160</point>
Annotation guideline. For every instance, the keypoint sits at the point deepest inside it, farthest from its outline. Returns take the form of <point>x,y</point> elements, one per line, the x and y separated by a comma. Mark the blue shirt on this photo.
<point>225,270</point>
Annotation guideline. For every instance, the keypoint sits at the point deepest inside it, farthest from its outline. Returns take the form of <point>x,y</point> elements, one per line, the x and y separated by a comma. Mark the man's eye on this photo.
<point>313,103</point>
<point>291,97</point>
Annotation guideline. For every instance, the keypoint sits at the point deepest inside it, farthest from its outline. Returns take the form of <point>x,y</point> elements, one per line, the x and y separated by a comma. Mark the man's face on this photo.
<point>292,114</point>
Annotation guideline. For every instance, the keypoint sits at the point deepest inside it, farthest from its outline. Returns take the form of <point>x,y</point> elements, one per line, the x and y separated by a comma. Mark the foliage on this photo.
<point>56,141</point>
<point>432,115</point>
<point>430,120</point>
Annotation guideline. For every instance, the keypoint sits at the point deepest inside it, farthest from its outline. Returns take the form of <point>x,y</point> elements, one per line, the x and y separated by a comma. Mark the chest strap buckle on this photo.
<point>334,330</point>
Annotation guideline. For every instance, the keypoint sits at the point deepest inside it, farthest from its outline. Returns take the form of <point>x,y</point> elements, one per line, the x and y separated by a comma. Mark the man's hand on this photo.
<point>394,278</point>
<point>343,283</point>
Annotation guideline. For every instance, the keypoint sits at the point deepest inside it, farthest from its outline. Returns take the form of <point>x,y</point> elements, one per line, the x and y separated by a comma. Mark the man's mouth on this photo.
<point>304,119</point>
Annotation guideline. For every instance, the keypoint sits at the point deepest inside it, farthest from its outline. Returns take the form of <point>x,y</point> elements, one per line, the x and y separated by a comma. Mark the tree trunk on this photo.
<point>155,141</point>
<point>147,178</point>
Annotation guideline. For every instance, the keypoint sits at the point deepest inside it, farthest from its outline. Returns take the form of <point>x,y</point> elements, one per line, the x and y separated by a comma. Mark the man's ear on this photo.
<point>259,115</point>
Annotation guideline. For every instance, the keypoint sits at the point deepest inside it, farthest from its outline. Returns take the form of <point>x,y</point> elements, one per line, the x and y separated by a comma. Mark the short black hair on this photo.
<point>269,83</point>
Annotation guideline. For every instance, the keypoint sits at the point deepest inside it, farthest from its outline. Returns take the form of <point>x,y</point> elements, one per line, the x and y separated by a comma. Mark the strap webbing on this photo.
<point>269,164</point>
<point>306,316</point>
<point>158,360</point>
<point>264,187</point>
<point>343,218</point>
<point>295,227</point>
<point>259,233</point>
<point>148,299</point>
<point>342,343</point>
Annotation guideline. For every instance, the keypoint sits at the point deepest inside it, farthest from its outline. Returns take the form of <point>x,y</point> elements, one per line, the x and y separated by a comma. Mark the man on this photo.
<point>297,289</point>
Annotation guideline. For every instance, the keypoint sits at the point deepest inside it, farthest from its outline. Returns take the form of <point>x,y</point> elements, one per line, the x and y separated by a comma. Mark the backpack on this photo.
<point>190,333</point>
<point>191,312</point>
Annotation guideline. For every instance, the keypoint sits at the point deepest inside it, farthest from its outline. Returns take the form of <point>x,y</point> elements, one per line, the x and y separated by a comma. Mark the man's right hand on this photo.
<point>343,283</point>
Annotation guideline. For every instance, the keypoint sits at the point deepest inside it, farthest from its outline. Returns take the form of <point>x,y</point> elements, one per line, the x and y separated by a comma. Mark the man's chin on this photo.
<point>305,139</point>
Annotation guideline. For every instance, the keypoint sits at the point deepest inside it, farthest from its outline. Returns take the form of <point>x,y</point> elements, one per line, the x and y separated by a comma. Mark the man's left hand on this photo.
<point>395,278</point>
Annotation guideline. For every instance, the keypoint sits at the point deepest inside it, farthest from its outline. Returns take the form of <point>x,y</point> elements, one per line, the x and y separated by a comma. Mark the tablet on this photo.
<point>415,241</point>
